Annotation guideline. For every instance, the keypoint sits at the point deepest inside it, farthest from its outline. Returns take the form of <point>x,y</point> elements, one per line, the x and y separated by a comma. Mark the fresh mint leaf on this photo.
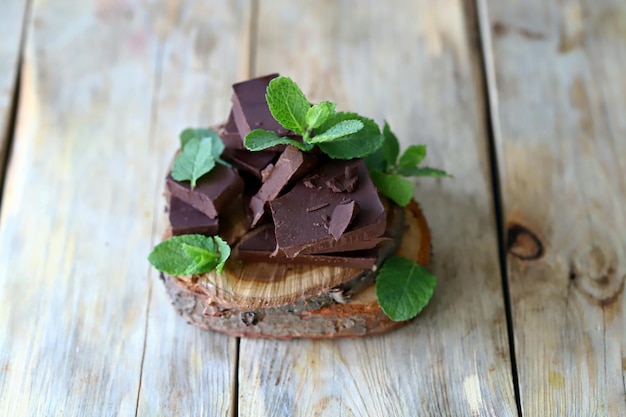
<point>338,131</point>
<point>195,160</point>
<point>216,142</point>
<point>399,189</point>
<point>319,113</point>
<point>390,148</point>
<point>356,145</point>
<point>260,139</point>
<point>287,104</point>
<point>422,172</point>
<point>403,288</point>
<point>190,254</point>
<point>412,156</point>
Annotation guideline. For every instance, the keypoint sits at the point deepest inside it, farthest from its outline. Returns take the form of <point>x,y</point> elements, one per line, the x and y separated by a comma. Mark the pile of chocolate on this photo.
<point>300,207</point>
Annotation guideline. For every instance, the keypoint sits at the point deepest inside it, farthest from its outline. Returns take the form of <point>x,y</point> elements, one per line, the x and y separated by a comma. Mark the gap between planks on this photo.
<point>478,17</point>
<point>6,140</point>
<point>154,113</point>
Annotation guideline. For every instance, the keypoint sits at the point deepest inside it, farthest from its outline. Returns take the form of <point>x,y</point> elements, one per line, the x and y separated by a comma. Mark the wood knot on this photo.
<point>249,318</point>
<point>523,244</point>
<point>596,275</point>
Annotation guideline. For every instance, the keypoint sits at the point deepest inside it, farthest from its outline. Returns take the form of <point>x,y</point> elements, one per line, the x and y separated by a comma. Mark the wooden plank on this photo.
<point>188,371</point>
<point>414,65</point>
<point>561,88</point>
<point>11,23</point>
<point>78,214</point>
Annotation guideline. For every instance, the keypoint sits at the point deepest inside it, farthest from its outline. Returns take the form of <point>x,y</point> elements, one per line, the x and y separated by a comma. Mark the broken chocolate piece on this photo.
<point>259,247</point>
<point>346,182</point>
<point>185,220</point>
<point>299,231</point>
<point>252,162</point>
<point>291,166</point>
<point>230,135</point>
<point>213,191</point>
<point>250,109</point>
<point>342,217</point>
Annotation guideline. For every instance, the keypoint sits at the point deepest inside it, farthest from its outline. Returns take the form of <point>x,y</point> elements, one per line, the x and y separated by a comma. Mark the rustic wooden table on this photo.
<point>523,101</point>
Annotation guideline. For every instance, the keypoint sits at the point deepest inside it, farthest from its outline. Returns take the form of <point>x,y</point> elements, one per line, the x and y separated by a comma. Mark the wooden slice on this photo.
<point>358,315</point>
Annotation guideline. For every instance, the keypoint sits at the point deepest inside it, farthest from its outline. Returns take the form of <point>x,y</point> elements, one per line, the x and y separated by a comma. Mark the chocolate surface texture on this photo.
<point>185,220</point>
<point>213,191</point>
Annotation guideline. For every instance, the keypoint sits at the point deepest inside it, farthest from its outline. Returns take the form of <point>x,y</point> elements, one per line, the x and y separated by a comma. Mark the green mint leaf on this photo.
<point>195,160</point>
<point>340,130</point>
<point>422,172</point>
<point>319,113</point>
<point>190,254</point>
<point>412,156</point>
<point>190,133</point>
<point>356,145</point>
<point>403,288</point>
<point>287,104</point>
<point>260,139</point>
<point>390,148</point>
<point>224,251</point>
<point>376,161</point>
<point>399,189</point>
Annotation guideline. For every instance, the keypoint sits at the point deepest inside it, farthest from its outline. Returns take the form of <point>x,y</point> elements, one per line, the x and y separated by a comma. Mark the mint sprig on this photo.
<point>340,135</point>
<point>403,288</point>
<point>190,254</point>
<point>200,150</point>
<point>389,169</point>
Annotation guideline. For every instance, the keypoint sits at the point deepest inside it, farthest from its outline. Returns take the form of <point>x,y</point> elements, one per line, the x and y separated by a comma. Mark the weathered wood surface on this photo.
<point>559,70</point>
<point>78,217</point>
<point>12,20</point>
<point>414,64</point>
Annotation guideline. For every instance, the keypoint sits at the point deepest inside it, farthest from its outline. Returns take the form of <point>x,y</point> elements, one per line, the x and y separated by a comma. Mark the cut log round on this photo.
<point>341,315</point>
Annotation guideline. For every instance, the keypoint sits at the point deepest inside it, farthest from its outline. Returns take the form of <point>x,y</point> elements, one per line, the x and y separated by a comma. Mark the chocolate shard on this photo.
<point>291,166</point>
<point>259,246</point>
<point>251,162</point>
<point>230,135</point>
<point>213,191</point>
<point>345,182</point>
<point>342,217</point>
<point>299,231</point>
<point>185,220</point>
<point>250,109</point>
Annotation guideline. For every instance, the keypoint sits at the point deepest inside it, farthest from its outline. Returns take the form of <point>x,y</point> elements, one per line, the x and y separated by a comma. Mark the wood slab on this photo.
<point>82,207</point>
<point>561,106</point>
<point>307,317</point>
<point>414,64</point>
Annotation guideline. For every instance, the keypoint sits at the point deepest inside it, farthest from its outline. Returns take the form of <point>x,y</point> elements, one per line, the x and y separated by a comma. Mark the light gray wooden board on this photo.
<point>12,13</point>
<point>414,65</point>
<point>561,112</point>
<point>188,371</point>
<point>78,214</point>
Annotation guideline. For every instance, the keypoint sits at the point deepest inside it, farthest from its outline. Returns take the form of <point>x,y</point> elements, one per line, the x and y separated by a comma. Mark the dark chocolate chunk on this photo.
<point>345,182</point>
<point>250,109</point>
<point>299,231</point>
<point>259,246</point>
<point>291,165</point>
<point>229,134</point>
<point>213,191</point>
<point>251,162</point>
<point>342,217</point>
<point>185,220</point>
